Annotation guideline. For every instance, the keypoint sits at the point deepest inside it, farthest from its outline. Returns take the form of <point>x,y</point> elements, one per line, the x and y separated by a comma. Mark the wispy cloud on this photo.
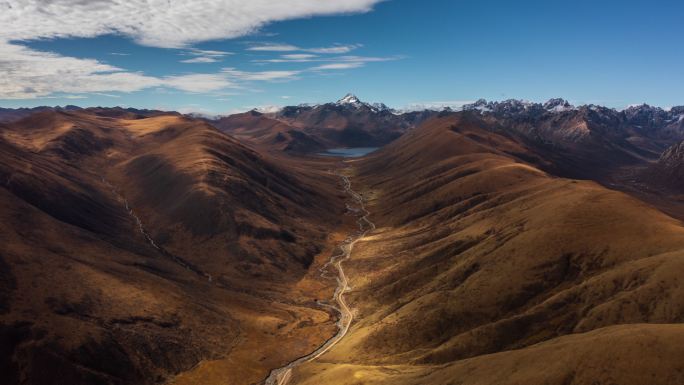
<point>299,56</point>
<point>208,53</point>
<point>29,73</point>
<point>107,95</point>
<point>32,74</point>
<point>335,49</point>
<point>194,109</point>
<point>204,56</point>
<point>284,59</point>
<point>265,109</point>
<point>198,83</point>
<point>350,62</point>
<point>158,23</point>
<point>308,58</point>
<point>200,59</point>
<point>366,59</point>
<point>70,97</point>
<point>261,75</point>
<point>437,105</point>
<point>274,48</point>
<point>338,66</point>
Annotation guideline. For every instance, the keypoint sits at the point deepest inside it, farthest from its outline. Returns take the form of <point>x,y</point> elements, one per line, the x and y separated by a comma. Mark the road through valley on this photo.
<point>281,376</point>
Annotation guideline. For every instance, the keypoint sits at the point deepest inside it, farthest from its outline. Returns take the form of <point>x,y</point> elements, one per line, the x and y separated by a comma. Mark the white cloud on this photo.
<point>208,52</point>
<point>158,23</point>
<point>200,59</point>
<point>265,109</point>
<point>66,97</point>
<point>453,104</point>
<point>299,56</point>
<point>107,95</point>
<point>335,49</point>
<point>260,76</point>
<point>365,59</point>
<point>196,110</point>
<point>346,62</point>
<point>204,56</point>
<point>308,58</point>
<point>338,66</point>
<point>198,83</point>
<point>283,60</point>
<point>274,48</point>
<point>27,73</point>
<point>268,109</point>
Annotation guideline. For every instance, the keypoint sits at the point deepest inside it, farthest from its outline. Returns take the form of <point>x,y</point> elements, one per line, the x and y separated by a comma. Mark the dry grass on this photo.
<point>486,270</point>
<point>85,298</point>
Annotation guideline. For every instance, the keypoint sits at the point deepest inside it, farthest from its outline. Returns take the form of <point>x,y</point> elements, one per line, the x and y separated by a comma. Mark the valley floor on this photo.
<point>486,270</point>
<point>140,249</point>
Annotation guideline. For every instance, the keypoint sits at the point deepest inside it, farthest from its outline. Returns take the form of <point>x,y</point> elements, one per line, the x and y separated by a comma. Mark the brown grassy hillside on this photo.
<point>135,249</point>
<point>268,133</point>
<point>485,270</point>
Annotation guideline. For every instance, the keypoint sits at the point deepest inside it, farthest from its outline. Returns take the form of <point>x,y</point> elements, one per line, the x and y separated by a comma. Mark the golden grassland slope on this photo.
<point>486,270</point>
<point>135,249</point>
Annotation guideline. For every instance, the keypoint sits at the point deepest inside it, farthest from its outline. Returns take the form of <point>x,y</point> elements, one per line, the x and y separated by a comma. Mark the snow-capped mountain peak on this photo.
<point>480,105</point>
<point>349,99</point>
<point>558,105</point>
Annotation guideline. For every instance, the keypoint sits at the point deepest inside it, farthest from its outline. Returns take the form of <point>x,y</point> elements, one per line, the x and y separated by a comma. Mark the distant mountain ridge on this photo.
<point>644,113</point>
<point>8,115</point>
<point>174,246</point>
<point>640,130</point>
<point>349,122</point>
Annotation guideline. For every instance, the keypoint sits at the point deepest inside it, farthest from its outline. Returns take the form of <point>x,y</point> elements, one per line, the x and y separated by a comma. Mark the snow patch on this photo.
<point>349,99</point>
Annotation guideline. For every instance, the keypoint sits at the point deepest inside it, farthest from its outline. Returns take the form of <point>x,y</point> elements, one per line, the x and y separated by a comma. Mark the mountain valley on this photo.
<point>511,243</point>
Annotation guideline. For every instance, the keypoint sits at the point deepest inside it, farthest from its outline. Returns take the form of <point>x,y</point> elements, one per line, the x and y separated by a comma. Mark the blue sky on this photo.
<point>400,52</point>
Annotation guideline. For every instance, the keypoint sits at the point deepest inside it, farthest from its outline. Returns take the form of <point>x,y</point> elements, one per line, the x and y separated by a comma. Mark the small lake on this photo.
<point>354,152</point>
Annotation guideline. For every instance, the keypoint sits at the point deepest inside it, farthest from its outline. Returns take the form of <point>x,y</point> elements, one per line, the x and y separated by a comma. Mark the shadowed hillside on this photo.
<point>136,248</point>
<point>266,132</point>
<point>144,247</point>
<point>486,270</point>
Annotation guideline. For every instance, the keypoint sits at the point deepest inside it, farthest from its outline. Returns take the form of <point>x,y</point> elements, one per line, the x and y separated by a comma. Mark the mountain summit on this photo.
<point>350,99</point>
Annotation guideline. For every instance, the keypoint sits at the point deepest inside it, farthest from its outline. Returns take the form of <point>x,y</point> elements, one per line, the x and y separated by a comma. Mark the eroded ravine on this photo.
<point>281,376</point>
<point>141,228</point>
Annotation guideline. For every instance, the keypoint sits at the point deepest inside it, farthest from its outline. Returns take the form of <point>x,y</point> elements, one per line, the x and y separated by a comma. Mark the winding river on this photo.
<point>281,376</point>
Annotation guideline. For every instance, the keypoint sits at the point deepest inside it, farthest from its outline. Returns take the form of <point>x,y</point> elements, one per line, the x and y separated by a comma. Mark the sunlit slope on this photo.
<point>625,354</point>
<point>139,250</point>
<point>204,191</point>
<point>485,270</point>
